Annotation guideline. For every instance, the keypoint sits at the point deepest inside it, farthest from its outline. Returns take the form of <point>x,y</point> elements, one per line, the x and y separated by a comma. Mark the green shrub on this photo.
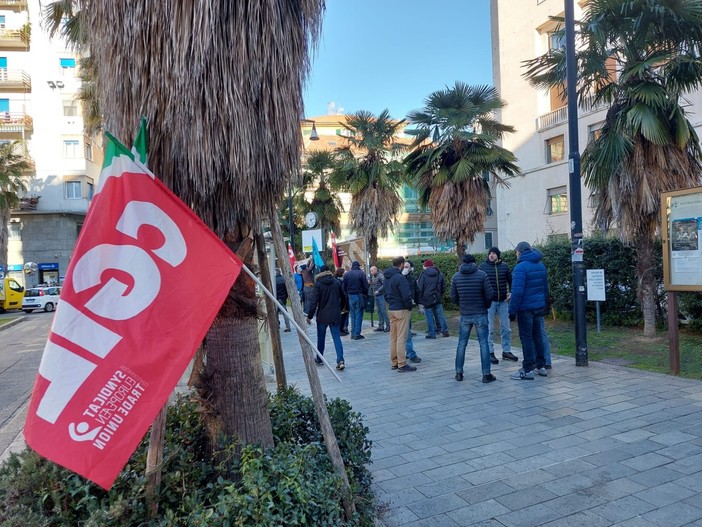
<point>291,484</point>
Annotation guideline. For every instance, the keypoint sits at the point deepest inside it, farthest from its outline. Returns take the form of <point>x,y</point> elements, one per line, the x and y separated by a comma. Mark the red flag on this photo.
<point>335,253</point>
<point>291,257</point>
<point>126,327</point>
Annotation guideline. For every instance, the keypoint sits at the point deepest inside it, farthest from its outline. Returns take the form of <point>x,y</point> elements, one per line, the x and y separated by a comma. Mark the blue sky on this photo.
<point>377,54</point>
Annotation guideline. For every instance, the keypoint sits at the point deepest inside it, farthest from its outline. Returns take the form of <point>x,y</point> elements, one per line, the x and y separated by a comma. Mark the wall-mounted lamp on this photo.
<point>59,84</point>
<point>51,84</point>
<point>314,136</point>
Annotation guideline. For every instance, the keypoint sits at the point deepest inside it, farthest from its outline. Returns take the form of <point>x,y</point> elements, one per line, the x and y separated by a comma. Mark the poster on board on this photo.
<point>682,227</point>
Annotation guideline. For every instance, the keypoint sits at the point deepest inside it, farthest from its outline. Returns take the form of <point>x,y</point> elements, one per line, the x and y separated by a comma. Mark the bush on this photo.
<point>291,484</point>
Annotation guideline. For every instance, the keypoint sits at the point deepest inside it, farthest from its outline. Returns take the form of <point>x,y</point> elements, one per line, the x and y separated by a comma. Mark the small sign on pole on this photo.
<point>596,290</point>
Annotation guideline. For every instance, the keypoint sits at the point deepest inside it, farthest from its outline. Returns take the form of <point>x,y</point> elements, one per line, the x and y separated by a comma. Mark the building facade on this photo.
<point>38,88</point>
<point>536,206</point>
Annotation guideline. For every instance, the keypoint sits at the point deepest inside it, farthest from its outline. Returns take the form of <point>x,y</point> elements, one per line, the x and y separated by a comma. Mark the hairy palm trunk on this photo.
<point>373,249</point>
<point>460,249</point>
<point>645,268</point>
<point>4,220</point>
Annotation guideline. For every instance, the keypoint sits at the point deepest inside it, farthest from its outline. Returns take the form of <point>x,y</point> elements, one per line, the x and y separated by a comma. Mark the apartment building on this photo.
<point>414,234</point>
<point>38,87</point>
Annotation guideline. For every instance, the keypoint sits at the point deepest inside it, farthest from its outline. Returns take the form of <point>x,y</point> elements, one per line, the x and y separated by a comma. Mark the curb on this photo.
<point>12,323</point>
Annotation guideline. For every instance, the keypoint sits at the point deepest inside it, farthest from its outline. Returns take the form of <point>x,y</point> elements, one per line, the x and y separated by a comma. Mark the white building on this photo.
<point>38,87</point>
<point>536,206</point>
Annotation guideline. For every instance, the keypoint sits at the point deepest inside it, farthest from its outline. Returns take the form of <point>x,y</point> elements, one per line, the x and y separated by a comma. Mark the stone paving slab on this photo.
<point>602,445</point>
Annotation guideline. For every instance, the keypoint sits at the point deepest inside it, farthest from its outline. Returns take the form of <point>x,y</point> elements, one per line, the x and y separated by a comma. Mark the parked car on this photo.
<point>44,298</point>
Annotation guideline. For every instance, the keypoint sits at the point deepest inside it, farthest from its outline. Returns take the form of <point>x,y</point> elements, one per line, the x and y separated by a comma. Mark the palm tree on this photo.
<point>12,181</point>
<point>369,170</point>
<point>455,146</point>
<point>647,145</point>
<point>221,86</point>
<point>326,203</point>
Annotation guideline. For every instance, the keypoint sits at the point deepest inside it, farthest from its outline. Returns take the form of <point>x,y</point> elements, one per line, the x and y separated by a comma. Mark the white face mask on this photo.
<point>405,270</point>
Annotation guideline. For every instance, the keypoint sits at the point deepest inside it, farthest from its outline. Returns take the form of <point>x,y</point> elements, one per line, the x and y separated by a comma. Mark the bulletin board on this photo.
<point>681,220</point>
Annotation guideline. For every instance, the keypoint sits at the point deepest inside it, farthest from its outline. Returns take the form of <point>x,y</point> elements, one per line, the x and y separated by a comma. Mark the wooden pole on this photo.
<point>154,462</point>
<point>673,339</point>
<point>308,352</point>
<point>271,314</point>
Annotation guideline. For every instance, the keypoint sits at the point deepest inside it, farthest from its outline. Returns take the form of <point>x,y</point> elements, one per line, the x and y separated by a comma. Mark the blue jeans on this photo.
<point>502,310</point>
<point>383,320</point>
<point>435,319</point>
<point>336,337</point>
<point>356,306</point>
<point>481,328</point>
<point>544,342</point>
<point>531,334</point>
<point>409,345</point>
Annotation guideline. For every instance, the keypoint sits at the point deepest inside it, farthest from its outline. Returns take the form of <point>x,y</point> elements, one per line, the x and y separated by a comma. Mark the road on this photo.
<point>21,347</point>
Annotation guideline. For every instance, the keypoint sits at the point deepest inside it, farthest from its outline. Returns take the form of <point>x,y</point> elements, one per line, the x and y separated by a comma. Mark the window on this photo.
<point>15,229</point>
<point>72,189</point>
<point>90,190</point>
<point>557,202</point>
<point>594,131</point>
<point>88,150</point>
<point>70,108</point>
<point>556,40</point>
<point>2,21</point>
<point>71,148</point>
<point>488,240</point>
<point>555,149</point>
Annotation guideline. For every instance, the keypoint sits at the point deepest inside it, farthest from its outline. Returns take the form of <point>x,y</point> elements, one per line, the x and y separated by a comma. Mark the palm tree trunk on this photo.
<point>233,380</point>
<point>645,268</point>
<point>460,249</point>
<point>373,249</point>
<point>4,236</point>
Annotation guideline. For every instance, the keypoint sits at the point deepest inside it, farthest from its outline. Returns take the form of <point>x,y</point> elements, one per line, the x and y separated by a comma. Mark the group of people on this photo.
<point>337,300</point>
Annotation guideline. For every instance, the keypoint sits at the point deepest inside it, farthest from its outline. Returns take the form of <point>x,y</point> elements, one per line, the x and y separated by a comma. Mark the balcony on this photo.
<point>15,122</point>
<point>14,38</point>
<point>15,80</point>
<point>560,115</point>
<point>14,5</point>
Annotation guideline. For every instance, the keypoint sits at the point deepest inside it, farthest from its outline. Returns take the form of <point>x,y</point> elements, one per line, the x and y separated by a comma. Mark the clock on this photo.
<point>311,219</point>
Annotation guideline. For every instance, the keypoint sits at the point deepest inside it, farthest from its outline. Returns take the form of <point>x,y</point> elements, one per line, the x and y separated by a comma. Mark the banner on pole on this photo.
<point>123,335</point>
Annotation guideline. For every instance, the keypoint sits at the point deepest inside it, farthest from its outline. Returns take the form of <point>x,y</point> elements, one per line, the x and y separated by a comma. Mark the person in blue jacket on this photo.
<point>528,305</point>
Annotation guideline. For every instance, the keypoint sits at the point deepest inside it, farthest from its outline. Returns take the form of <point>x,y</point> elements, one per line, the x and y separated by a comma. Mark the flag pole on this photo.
<point>315,386</point>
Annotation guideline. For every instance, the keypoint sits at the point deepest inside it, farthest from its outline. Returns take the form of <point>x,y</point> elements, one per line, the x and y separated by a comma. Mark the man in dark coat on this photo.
<point>430,291</point>
<point>399,301</point>
<point>329,296</point>
<point>281,295</point>
<point>471,290</point>
<point>530,294</point>
<point>356,288</point>
<point>307,284</point>
<point>500,276</point>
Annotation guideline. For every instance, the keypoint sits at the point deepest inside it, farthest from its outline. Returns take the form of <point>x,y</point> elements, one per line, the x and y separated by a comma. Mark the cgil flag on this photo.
<point>318,261</point>
<point>120,339</point>
<point>335,252</point>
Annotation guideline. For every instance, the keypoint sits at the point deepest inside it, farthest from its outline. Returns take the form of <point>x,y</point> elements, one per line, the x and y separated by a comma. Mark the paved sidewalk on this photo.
<point>597,446</point>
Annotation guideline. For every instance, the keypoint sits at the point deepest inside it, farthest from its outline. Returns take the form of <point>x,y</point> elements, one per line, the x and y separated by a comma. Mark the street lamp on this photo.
<point>314,136</point>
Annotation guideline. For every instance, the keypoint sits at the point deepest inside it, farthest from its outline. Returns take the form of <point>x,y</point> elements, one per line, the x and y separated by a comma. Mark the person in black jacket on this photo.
<point>500,276</point>
<point>412,282</point>
<point>399,301</point>
<point>329,296</point>
<point>430,291</point>
<point>281,295</point>
<point>471,290</point>
<point>356,288</point>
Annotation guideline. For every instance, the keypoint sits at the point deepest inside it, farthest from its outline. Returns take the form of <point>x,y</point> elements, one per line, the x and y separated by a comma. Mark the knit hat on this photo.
<point>523,246</point>
<point>468,258</point>
<point>428,263</point>
<point>355,265</point>
<point>496,251</point>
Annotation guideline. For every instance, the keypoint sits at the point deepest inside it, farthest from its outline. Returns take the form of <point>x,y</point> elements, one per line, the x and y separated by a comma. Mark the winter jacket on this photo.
<point>430,287</point>
<point>529,283</point>
<point>471,290</point>
<point>355,282</point>
<point>500,276</point>
<point>378,284</point>
<point>281,292</point>
<point>397,290</point>
<point>329,296</point>
<point>298,282</point>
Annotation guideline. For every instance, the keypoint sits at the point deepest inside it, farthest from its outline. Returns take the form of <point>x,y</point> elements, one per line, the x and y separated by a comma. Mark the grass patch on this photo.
<point>4,321</point>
